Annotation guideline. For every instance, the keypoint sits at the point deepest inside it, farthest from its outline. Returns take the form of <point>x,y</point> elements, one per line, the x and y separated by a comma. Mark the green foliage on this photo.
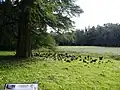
<point>106,35</point>
<point>44,40</point>
<point>54,13</point>
<point>67,38</point>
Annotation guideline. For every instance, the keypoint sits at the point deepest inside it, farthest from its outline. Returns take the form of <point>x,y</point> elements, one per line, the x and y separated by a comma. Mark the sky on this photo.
<point>97,12</point>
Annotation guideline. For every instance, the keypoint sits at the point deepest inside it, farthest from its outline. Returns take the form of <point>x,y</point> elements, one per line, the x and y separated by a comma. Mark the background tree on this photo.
<point>106,35</point>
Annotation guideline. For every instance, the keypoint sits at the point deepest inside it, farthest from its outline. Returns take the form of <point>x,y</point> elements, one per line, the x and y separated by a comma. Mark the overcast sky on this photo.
<point>98,12</point>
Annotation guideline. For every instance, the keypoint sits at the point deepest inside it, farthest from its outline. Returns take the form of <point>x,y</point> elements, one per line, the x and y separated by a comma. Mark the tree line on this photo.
<point>105,35</point>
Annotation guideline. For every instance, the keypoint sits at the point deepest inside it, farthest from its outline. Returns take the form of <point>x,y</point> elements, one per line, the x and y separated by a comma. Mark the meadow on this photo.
<point>74,71</point>
<point>91,49</point>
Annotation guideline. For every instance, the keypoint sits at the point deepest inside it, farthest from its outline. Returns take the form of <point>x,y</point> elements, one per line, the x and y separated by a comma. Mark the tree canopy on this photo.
<point>27,19</point>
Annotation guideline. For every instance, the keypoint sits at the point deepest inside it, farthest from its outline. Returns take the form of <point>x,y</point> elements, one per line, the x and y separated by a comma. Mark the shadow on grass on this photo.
<point>7,59</point>
<point>115,57</point>
<point>10,61</point>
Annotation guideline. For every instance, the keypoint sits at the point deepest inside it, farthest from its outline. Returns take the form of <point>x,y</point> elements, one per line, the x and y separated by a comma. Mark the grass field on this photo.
<point>91,49</point>
<point>62,75</point>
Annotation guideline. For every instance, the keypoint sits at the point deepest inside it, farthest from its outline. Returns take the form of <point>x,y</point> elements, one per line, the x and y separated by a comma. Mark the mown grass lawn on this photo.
<point>61,75</point>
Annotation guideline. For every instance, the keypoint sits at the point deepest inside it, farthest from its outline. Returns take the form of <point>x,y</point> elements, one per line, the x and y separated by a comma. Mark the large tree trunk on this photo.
<point>23,49</point>
<point>23,43</point>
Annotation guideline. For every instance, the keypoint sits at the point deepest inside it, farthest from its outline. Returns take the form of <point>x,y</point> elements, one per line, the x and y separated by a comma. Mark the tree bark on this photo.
<point>23,49</point>
<point>23,44</point>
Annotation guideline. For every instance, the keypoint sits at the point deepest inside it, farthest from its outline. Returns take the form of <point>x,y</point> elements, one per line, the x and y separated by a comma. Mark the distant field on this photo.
<point>91,49</point>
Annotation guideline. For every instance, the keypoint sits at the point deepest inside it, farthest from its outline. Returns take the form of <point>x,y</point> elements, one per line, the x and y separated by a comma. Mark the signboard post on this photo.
<point>21,87</point>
